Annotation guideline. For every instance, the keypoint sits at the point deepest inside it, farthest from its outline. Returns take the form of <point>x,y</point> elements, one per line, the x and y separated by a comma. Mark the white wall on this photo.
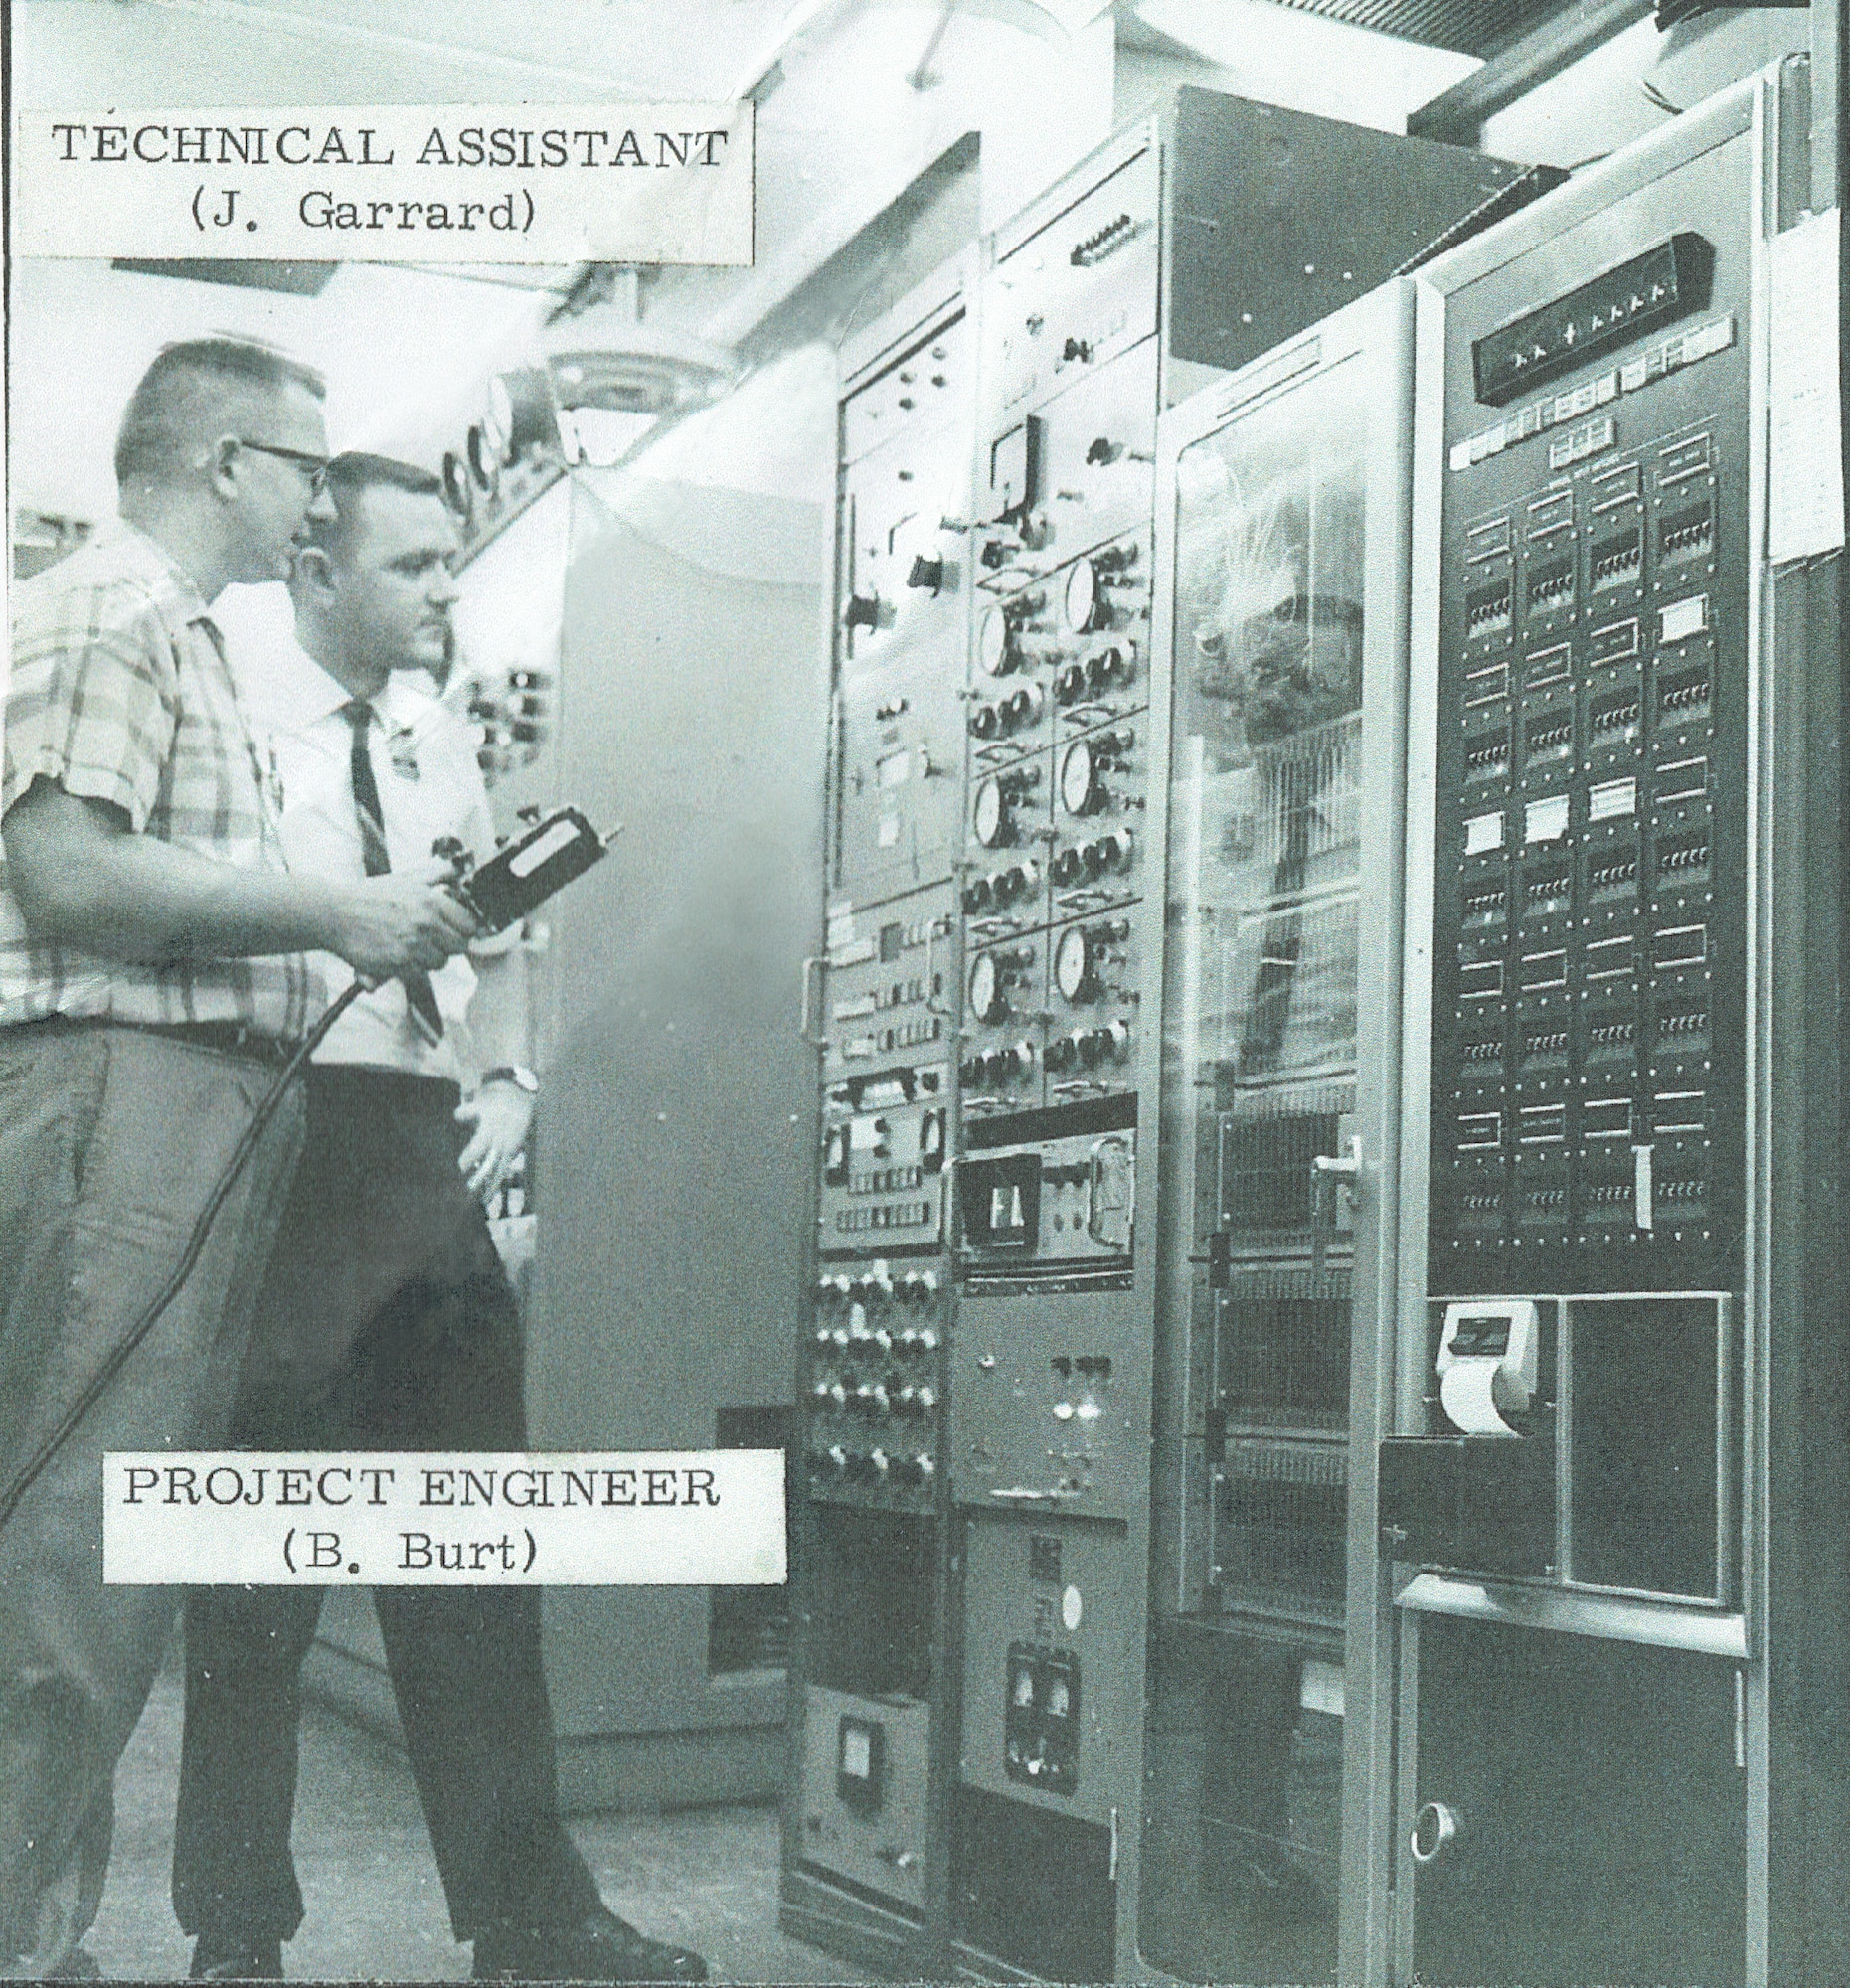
<point>1599,103</point>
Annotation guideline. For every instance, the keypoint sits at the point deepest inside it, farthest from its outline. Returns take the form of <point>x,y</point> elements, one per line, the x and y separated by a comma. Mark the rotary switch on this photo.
<point>1010,1065</point>
<point>1110,667</point>
<point>1071,682</point>
<point>1090,1046</point>
<point>1019,879</point>
<point>1023,706</point>
<point>1096,1046</point>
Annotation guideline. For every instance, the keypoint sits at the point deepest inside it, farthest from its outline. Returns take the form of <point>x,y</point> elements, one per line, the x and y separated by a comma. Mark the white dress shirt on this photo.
<point>429,785</point>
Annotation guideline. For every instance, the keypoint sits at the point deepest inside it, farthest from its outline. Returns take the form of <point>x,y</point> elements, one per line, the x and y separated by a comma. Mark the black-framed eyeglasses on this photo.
<point>316,465</point>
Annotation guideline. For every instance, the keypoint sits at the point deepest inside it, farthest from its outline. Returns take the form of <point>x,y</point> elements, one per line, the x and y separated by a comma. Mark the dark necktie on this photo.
<point>372,818</point>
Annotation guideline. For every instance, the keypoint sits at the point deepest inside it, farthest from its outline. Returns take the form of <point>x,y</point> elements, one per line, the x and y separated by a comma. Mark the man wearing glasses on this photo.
<point>153,980</point>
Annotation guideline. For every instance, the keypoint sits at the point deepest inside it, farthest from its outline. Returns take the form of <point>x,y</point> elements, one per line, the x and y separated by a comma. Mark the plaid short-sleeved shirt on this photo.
<point>120,693</point>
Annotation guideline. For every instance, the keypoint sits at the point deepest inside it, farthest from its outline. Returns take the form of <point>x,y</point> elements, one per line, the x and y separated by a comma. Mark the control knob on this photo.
<point>1023,704</point>
<point>978,893</point>
<point>1097,1045</point>
<point>985,721</point>
<point>1110,667</point>
<point>1070,682</point>
<point>1019,879</point>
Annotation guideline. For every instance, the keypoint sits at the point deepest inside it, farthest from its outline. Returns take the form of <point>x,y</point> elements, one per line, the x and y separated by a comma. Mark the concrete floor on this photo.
<point>707,1879</point>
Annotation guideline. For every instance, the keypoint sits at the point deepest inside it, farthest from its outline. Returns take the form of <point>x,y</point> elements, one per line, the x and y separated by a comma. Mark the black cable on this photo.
<point>119,1354</point>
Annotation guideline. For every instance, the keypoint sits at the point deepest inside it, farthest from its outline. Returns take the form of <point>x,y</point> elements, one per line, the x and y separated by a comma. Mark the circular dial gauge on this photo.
<point>1073,964</point>
<point>991,814</point>
<point>992,644</point>
<point>987,1002</point>
<point>1082,603</point>
<point>1079,779</point>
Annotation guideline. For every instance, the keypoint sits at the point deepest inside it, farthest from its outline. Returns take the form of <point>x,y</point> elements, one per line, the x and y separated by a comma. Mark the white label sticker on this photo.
<point>1071,1608</point>
<point>1321,1687</point>
<point>1483,832</point>
<point>560,836</point>
<point>1804,457</point>
<point>1683,618</point>
<point>1546,821</point>
<point>1612,797</point>
<point>889,831</point>
<point>1642,1212</point>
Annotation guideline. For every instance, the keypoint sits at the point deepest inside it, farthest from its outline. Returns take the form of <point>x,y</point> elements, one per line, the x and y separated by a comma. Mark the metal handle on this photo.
<point>1330,1173</point>
<point>802,1019</point>
<point>1345,1166</point>
<point>932,1006</point>
<point>1433,1828</point>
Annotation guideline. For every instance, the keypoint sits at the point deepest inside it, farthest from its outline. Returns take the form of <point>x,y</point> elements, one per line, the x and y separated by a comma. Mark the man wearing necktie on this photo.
<point>385,1321</point>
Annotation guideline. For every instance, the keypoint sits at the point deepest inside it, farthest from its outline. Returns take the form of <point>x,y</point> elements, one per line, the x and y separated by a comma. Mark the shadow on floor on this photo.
<point>705,1879</point>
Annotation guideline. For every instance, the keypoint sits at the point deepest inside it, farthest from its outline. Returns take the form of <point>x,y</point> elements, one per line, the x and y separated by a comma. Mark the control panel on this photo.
<point>874,1367</point>
<point>1589,1002</point>
<point>863,1790</point>
<point>902,598</point>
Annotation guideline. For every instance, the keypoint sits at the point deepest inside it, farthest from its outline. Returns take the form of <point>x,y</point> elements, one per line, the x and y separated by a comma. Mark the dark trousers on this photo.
<point>434,1364</point>
<point>111,1142</point>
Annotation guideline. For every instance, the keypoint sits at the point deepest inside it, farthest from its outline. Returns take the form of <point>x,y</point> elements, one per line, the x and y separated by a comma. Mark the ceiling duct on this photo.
<point>1471,27</point>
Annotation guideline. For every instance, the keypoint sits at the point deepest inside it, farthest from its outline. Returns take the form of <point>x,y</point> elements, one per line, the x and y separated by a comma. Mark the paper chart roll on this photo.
<point>1465,1392</point>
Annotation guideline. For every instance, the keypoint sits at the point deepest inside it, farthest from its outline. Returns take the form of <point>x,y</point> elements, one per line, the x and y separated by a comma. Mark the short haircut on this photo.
<point>349,477</point>
<point>189,392</point>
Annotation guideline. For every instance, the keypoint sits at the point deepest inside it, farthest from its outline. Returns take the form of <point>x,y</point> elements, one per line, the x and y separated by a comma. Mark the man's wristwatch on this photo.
<point>516,1074</point>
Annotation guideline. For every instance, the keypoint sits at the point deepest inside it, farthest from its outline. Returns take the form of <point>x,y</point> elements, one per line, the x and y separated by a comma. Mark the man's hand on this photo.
<point>502,1114</point>
<point>398,920</point>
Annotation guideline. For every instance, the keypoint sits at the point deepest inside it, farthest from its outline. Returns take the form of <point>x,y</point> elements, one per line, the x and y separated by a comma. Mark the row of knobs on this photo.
<point>857,1337</point>
<point>1078,863</point>
<point>1001,887</point>
<point>1078,1049</point>
<point>877,1286</point>
<point>1111,669</point>
<point>1082,862</point>
<point>848,1395</point>
<point>1021,708</point>
<point>875,1467</point>
<point>1024,706</point>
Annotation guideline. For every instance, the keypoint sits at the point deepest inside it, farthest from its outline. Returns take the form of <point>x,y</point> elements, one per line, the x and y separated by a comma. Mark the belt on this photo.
<point>234,1039</point>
